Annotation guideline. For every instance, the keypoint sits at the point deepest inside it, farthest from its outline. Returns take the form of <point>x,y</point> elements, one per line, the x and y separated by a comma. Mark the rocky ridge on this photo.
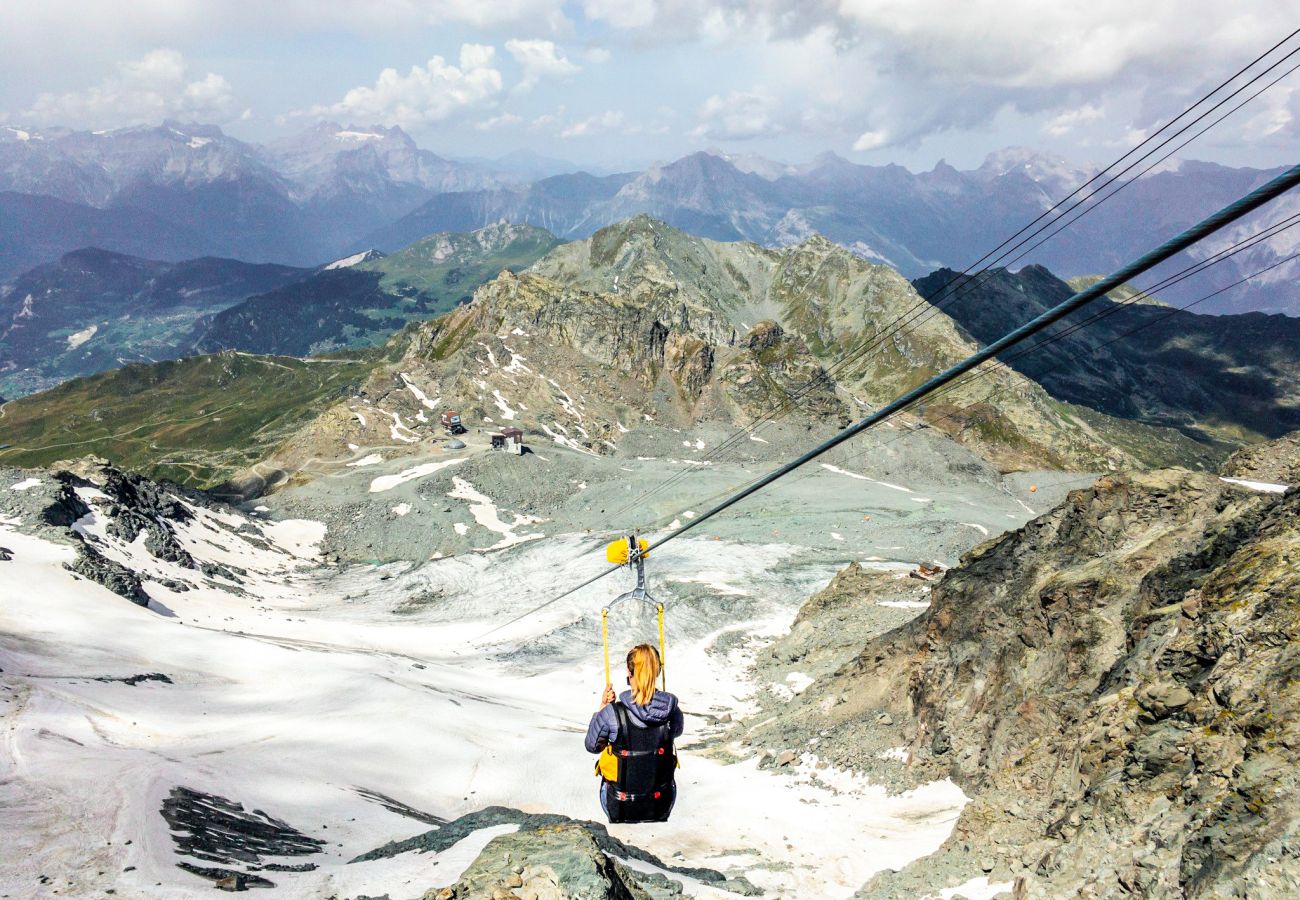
<point>643,323</point>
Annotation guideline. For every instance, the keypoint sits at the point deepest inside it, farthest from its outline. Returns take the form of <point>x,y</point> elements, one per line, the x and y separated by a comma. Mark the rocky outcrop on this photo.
<point>1115,684</point>
<point>771,368</point>
<point>552,856</point>
<point>213,829</point>
<point>555,862</point>
<point>1277,462</point>
<point>67,507</point>
<point>97,567</point>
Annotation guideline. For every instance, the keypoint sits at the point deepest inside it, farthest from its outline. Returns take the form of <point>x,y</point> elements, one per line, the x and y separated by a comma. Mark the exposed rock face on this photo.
<point>1116,686</point>
<point>213,829</point>
<point>772,368</point>
<point>690,363</point>
<point>143,505</point>
<point>67,506</point>
<point>92,564</point>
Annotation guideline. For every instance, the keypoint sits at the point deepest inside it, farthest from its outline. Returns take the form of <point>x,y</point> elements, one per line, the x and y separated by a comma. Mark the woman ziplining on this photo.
<point>634,732</point>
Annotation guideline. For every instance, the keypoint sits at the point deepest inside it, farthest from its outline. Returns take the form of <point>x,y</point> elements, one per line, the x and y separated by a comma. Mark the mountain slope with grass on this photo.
<point>195,421</point>
<point>363,304</point>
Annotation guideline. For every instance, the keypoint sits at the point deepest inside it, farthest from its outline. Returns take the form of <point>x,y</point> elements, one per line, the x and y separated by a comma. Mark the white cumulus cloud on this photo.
<point>610,120</point>
<point>428,93</point>
<point>871,140</point>
<point>157,86</point>
<point>1071,119</point>
<point>738,116</point>
<point>539,59</point>
<point>505,120</point>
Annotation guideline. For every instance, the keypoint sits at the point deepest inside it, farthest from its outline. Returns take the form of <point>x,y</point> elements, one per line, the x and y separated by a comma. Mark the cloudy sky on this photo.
<point>619,83</point>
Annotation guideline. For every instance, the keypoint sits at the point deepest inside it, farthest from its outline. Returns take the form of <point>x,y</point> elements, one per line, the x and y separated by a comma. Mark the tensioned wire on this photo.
<point>1225,216</point>
<point>1190,271</point>
<point>937,301</point>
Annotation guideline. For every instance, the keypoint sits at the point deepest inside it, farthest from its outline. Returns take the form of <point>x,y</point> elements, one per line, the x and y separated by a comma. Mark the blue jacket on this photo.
<point>661,708</point>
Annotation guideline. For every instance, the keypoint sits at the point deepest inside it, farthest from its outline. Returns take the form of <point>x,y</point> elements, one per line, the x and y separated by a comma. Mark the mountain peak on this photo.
<point>1033,164</point>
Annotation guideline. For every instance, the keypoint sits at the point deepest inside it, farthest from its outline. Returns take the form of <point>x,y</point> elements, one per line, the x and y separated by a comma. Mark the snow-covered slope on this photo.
<point>355,706</point>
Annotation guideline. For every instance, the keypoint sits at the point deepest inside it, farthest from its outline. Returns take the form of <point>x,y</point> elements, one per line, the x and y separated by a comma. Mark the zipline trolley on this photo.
<point>631,552</point>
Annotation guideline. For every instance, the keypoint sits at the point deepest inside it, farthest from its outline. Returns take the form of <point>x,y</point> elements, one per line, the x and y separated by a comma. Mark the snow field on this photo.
<point>293,694</point>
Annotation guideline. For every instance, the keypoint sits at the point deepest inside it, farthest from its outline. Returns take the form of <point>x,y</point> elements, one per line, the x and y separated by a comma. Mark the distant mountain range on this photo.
<point>180,191</point>
<point>644,323</point>
<point>915,222</point>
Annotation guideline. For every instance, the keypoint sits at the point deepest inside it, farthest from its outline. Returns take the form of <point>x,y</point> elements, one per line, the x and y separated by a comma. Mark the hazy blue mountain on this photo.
<point>36,228</point>
<point>1224,377</point>
<point>561,204</point>
<point>332,190</point>
<point>916,222</point>
<point>301,200</point>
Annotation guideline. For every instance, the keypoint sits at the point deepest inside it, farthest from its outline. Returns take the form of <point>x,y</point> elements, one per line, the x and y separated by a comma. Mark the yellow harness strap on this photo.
<point>663,651</point>
<point>604,639</point>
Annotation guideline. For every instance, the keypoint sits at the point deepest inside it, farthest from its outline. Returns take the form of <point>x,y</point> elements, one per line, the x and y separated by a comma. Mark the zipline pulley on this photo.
<point>631,552</point>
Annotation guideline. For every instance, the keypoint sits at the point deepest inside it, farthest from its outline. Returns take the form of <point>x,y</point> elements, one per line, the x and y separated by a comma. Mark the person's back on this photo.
<point>634,735</point>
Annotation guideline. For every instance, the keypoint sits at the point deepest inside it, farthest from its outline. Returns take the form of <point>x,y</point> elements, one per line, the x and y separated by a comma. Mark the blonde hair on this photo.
<point>643,668</point>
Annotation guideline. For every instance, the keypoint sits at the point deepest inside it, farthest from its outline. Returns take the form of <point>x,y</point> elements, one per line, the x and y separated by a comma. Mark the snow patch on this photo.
<point>348,262</point>
<point>80,337</point>
<point>388,482</point>
<point>506,412</point>
<point>1262,486</point>
<point>980,528</point>
<point>838,471</point>
<point>397,428</point>
<point>419,394</point>
<point>401,509</point>
<point>799,682</point>
<point>25,484</point>
<point>486,514</point>
<point>371,460</point>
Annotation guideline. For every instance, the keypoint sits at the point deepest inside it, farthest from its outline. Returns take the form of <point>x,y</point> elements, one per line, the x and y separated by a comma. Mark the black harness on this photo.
<point>647,764</point>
